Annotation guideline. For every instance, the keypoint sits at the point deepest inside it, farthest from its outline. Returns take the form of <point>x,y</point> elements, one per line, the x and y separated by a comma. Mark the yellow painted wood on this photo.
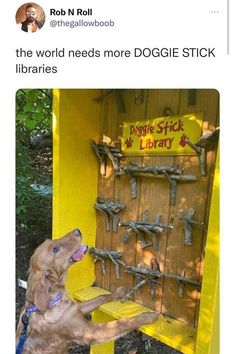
<point>76,118</point>
<point>75,173</point>
<point>208,327</point>
<point>167,330</point>
<point>99,316</point>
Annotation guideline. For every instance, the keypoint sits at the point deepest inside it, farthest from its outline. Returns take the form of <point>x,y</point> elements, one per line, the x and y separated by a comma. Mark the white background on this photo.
<point>154,23</point>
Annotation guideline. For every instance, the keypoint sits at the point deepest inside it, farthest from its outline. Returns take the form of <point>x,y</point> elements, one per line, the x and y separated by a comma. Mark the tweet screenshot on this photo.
<point>117,138</point>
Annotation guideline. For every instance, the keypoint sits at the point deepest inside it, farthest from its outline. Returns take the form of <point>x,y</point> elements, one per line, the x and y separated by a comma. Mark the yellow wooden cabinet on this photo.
<point>79,117</point>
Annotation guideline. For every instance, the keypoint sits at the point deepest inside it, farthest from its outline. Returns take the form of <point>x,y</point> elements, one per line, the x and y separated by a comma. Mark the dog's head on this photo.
<point>49,263</point>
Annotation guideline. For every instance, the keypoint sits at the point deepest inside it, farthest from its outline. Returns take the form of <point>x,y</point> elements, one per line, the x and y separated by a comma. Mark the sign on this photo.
<point>159,136</point>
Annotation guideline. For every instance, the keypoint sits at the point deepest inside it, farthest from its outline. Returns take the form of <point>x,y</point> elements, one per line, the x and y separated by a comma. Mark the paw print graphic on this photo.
<point>129,142</point>
<point>183,139</point>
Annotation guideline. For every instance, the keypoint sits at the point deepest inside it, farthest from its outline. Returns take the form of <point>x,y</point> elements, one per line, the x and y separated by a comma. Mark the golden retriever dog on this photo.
<point>50,322</point>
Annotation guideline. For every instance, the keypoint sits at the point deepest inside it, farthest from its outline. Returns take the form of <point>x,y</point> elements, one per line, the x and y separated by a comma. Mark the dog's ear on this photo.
<point>37,291</point>
<point>41,296</point>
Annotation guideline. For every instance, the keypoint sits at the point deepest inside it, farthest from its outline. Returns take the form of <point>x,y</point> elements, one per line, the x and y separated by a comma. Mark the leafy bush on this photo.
<point>33,119</point>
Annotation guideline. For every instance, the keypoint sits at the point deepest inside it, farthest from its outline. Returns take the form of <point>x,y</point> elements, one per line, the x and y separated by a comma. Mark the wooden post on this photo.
<point>208,327</point>
<point>75,175</point>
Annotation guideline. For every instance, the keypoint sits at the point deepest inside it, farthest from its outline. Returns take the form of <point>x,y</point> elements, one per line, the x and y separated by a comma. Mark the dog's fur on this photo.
<point>55,329</point>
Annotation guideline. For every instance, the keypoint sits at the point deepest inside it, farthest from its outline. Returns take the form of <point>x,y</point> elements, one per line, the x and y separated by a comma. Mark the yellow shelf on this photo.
<point>169,331</point>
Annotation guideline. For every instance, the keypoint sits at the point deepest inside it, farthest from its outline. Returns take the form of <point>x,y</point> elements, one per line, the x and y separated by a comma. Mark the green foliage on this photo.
<point>33,118</point>
<point>33,114</point>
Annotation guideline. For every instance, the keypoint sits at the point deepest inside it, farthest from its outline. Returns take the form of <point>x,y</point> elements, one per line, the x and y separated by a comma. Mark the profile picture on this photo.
<point>30,17</point>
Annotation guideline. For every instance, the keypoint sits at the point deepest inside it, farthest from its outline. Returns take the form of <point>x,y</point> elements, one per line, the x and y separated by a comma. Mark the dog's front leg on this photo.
<point>91,305</point>
<point>95,334</point>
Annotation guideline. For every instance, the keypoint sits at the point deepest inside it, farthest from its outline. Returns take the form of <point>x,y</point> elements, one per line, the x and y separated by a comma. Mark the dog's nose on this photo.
<point>77,232</point>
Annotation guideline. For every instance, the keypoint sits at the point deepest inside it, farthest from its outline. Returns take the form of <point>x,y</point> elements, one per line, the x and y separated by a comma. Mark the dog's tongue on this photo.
<point>77,256</point>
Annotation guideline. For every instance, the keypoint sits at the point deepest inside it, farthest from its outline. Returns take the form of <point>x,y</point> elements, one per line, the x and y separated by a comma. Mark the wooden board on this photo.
<point>153,195</point>
<point>181,258</point>
<point>122,192</point>
<point>108,127</point>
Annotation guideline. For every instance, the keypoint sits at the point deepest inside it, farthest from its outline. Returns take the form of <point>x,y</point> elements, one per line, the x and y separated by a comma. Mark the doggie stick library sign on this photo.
<point>159,136</point>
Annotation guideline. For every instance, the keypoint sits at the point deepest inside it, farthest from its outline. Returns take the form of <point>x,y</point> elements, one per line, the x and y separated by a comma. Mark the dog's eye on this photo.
<point>56,249</point>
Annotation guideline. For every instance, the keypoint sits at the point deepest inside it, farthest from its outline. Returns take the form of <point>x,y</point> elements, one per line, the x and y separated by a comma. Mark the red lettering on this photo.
<point>159,127</point>
<point>141,130</point>
<point>180,127</point>
<point>141,146</point>
<point>155,143</point>
<point>175,127</point>
<point>150,144</point>
<point>132,130</point>
<point>167,126</point>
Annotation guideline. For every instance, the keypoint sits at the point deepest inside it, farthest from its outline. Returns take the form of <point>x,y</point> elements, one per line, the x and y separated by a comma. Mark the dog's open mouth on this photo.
<point>79,254</point>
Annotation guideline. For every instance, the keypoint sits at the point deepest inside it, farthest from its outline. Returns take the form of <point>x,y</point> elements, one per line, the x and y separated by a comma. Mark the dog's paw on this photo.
<point>147,317</point>
<point>119,293</point>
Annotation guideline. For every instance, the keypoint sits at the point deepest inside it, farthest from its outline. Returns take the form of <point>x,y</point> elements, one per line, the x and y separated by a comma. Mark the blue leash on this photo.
<point>21,343</point>
<point>25,321</point>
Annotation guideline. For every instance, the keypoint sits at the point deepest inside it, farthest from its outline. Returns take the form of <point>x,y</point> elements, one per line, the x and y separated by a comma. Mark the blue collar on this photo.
<point>50,304</point>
